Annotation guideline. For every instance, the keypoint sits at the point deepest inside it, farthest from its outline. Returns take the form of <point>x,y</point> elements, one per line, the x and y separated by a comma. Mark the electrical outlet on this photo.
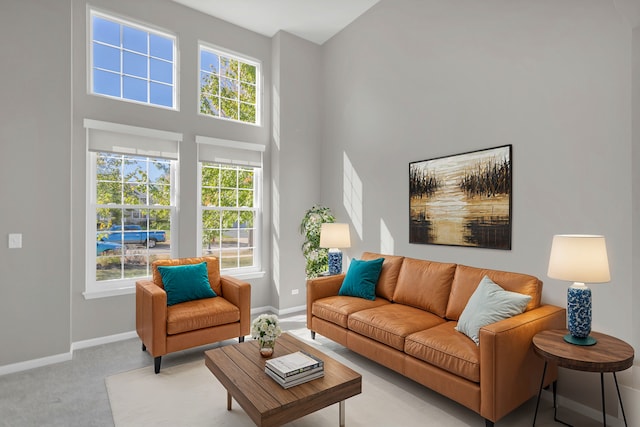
<point>15,240</point>
<point>294,292</point>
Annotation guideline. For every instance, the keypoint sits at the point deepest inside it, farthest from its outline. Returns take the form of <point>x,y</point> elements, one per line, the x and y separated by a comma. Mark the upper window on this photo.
<point>229,86</point>
<point>132,62</point>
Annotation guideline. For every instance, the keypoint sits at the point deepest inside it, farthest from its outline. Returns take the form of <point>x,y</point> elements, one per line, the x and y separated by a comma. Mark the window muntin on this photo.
<point>133,211</point>
<point>229,86</point>
<point>132,62</point>
<point>229,211</point>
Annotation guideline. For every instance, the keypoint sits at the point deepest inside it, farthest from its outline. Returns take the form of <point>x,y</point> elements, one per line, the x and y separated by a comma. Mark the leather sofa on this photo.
<point>410,328</point>
<point>165,329</point>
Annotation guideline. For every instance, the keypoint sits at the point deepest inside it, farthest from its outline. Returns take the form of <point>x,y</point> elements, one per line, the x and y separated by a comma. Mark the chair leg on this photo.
<point>156,363</point>
<point>241,339</point>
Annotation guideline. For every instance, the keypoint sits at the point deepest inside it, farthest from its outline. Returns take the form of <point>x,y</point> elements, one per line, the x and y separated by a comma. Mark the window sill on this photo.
<point>245,275</point>
<point>126,290</point>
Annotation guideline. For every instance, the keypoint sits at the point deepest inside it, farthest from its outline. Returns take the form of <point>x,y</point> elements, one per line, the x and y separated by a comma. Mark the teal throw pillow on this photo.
<point>362,278</point>
<point>186,282</point>
<point>489,304</point>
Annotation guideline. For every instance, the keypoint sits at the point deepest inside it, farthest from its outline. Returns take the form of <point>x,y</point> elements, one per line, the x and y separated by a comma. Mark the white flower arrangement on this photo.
<point>266,327</point>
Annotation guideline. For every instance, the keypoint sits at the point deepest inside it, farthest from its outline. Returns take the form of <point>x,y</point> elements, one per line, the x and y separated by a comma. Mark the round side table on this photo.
<point>609,354</point>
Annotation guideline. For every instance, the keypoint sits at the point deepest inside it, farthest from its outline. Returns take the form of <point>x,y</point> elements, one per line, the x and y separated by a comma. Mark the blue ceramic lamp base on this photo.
<point>579,315</point>
<point>335,261</point>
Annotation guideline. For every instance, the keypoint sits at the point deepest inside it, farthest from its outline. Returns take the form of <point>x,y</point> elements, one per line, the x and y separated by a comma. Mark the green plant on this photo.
<point>317,258</point>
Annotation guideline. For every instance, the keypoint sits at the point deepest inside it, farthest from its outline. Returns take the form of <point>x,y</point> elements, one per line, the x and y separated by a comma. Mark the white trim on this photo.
<point>64,357</point>
<point>79,345</point>
<point>35,363</point>
<point>270,309</point>
<point>132,130</point>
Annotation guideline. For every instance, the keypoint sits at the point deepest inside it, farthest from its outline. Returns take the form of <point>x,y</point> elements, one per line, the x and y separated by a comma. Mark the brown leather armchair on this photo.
<point>164,329</point>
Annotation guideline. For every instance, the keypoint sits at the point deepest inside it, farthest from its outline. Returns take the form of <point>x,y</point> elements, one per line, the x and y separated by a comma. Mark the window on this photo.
<point>229,87</point>
<point>131,205</point>
<point>230,203</point>
<point>132,62</point>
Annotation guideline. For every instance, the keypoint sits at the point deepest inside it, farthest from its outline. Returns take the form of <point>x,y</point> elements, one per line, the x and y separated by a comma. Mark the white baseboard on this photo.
<point>35,363</point>
<point>270,309</point>
<point>589,412</point>
<point>103,340</point>
<point>51,360</point>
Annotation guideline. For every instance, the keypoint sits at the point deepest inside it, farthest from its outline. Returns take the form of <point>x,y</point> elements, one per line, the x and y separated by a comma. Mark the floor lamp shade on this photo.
<point>579,258</point>
<point>335,236</point>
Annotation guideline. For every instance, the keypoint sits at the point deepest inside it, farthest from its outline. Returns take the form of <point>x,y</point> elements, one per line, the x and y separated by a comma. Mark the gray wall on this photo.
<point>416,80</point>
<point>35,158</point>
<point>295,160</point>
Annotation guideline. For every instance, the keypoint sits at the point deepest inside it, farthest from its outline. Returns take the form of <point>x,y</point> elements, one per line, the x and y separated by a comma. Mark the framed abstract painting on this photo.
<point>462,200</point>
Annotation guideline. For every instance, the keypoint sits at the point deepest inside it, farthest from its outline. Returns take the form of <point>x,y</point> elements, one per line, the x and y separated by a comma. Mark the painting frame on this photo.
<point>463,199</point>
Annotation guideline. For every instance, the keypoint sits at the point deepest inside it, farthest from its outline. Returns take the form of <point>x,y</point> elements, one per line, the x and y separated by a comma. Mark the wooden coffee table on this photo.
<point>240,369</point>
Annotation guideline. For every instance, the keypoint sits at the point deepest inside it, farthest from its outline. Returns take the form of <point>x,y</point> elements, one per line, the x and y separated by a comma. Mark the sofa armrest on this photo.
<point>151,316</point>
<point>509,369</point>
<point>238,293</point>
<point>322,287</point>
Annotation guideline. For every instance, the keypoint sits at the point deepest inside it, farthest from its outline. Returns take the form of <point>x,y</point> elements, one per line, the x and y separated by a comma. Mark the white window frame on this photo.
<point>135,141</point>
<point>92,11</point>
<point>244,154</point>
<point>239,57</point>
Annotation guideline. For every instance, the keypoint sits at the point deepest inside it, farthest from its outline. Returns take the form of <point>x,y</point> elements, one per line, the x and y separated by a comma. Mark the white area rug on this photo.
<point>189,395</point>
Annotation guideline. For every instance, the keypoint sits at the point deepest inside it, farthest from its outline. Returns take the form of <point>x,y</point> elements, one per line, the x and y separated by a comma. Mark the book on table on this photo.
<point>298,379</point>
<point>294,364</point>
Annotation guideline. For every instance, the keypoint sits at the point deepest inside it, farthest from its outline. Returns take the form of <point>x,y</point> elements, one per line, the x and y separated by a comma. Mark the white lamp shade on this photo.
<point>579,258</point>
<point>334,235</point>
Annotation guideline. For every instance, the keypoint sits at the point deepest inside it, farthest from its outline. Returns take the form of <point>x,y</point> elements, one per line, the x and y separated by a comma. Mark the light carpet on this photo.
<point>189,395</point>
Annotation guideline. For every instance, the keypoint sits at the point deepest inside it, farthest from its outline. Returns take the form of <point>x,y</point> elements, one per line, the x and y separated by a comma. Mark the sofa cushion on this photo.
<point>213,270</point>
<point>389,274</point>
<point>199,314</point>
<point>391,323</point>
<point>361,279</point>
<point>466,280</point>
<point>186,282</point>
<point>337,309</point>
<point>489,304</point>
<point>446,348</point>
<point>424,284</point>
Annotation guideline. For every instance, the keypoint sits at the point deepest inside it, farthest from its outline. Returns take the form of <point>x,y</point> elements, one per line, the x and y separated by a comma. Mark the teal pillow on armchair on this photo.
<point>362,278</point>
<point>186,282</point>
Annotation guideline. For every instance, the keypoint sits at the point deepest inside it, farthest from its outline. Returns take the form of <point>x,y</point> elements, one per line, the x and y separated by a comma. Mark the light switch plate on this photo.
<point>15,240</point>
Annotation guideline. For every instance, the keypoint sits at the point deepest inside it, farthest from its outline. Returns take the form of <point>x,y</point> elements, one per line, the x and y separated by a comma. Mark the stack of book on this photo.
<point>294,368</point>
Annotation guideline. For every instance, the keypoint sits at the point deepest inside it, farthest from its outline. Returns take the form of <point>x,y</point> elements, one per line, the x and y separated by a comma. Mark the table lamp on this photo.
<point>579,258</point>
<point>335,236</point>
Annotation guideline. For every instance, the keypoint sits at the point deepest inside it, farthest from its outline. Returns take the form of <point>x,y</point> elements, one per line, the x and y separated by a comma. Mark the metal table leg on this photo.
<point>341,410</point>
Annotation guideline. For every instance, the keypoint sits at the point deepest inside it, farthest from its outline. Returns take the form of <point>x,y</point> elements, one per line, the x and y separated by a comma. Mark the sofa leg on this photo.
<point>241,339</point>
<point>144,347</point>
<point>313,335</point>
<point>156,363</point>
<point>488,423</point>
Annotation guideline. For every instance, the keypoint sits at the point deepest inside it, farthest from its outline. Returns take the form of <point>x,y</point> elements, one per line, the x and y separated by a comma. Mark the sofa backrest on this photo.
<point>425,285</point>
<point>389,274</point>
<point>213,270</point>
<point>466,280</point>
